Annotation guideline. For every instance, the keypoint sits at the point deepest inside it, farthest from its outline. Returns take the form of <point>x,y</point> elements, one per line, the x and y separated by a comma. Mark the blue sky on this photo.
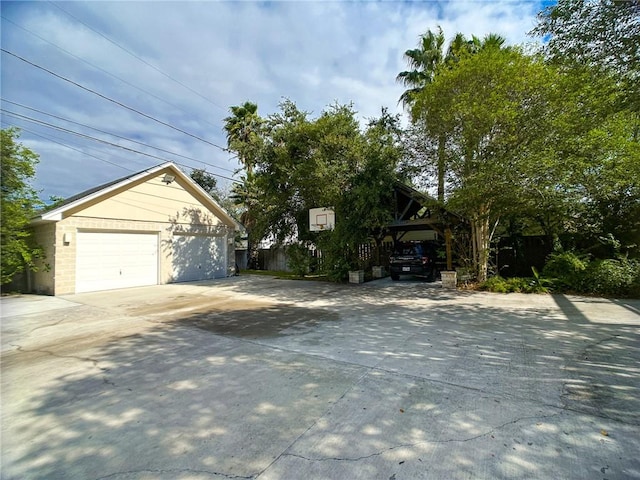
<point>186,63</point>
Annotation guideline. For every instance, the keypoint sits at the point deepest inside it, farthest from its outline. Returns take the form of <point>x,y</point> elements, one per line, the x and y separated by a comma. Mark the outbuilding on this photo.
<point>152,227</point>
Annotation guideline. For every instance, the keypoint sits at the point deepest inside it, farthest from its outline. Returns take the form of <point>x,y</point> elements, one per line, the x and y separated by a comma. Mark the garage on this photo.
<point>152,227</point>
<point>198,257</point>
<point>110,260</point>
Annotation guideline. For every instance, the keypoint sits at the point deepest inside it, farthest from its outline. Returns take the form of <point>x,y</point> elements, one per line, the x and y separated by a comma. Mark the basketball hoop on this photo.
<point>321,219</point>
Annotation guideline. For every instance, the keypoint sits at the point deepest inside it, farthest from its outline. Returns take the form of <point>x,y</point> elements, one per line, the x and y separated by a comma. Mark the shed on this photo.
<point>152,227</point>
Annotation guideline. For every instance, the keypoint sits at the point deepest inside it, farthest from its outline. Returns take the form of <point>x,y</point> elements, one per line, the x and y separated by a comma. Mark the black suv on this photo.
<point>413,258</point>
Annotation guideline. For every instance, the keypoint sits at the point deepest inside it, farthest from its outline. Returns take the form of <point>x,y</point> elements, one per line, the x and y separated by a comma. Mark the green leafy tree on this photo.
<point>19,203</point>
<point>326,161</point>
<point>304,164</point>
<point>425,62</point>
<point>603,34</point>
<point>245,137</point>
<point>491,106</point>
<point>597,42</point>
<point>207,181</point>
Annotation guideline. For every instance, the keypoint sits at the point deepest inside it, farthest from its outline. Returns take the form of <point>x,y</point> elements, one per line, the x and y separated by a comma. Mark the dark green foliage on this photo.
<point>566,270</point>
<point>207,181</point>
<point>19,202</point>
<point>569,272</point>
<point>299,259</point>
<point>498,284</point>
<point>616,277</point>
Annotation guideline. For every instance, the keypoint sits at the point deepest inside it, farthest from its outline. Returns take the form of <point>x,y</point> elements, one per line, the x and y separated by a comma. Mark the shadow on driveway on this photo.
<point>320,381</point>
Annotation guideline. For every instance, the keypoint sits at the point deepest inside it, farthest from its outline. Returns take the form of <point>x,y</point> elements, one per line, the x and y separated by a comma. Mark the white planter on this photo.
<point>378,272</point>
<point>449,279</point>
<point>357,276</point>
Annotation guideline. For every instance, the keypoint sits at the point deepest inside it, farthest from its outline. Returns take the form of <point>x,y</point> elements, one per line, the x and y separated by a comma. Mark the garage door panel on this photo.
<point>115,260</point>
<point>198,257</point>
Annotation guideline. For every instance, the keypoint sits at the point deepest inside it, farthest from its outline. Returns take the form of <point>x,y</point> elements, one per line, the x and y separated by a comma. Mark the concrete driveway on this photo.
<point>259,378</point>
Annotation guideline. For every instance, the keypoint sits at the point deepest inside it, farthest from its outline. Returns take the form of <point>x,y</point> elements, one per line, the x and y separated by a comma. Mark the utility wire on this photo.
<point>66,130</point>
<point>116,135</point>
<point>111,99</point>
<point>52,139</point>
<point>138,58</point>
<point>137,205</point>
<point>101,69</point>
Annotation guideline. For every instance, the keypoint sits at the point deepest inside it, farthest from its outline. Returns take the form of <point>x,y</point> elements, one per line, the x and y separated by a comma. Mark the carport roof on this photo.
<point>414,210</point>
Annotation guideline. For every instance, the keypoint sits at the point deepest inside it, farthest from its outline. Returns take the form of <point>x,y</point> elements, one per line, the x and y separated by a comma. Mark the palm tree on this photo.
<point>426,60</point>
<point>243,132</point>
<point>423,61</point>
<point>244,135</point>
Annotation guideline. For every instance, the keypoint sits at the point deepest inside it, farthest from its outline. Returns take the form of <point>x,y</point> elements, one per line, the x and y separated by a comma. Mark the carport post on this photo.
<point>447,242</point>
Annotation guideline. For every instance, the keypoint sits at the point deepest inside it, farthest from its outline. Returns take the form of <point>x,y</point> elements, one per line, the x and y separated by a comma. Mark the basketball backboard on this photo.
<point>321,219</point>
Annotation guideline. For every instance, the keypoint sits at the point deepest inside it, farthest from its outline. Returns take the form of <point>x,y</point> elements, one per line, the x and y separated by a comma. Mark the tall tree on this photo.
<point>604,34</point>
<point>245,136</point>
<point>425,63</point>
<point>243,129</point>
<point>19,202</point>
<point>598,41</point>
<point>490,107</point>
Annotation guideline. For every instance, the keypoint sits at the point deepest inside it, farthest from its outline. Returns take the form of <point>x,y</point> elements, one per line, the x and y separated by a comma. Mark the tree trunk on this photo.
<point>441,167</point>
<point>480,235</point>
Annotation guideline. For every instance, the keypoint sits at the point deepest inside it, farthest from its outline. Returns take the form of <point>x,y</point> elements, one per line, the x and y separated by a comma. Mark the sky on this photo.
<point>79,76</point>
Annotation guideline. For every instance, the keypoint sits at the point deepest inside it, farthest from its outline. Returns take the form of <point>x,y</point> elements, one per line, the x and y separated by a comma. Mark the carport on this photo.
<point>414,211</point>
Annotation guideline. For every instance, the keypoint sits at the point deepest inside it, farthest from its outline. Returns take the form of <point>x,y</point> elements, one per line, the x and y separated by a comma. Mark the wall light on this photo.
<point>168,178</point>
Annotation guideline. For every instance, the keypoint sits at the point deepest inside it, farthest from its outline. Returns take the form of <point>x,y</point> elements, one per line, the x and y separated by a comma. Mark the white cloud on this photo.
<point>311,52</point>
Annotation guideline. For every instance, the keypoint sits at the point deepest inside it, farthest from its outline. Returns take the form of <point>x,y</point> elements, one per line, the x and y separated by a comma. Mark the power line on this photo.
<point>51,139</point>
<point>102,69</point>
<point>66,130</point>
<point>115,135</point>
<point>137,205</point>
<point>111,99</point>
<point>138,58</point>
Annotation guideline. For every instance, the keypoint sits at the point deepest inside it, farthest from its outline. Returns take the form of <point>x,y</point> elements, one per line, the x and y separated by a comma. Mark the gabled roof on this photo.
<point>414,210</point>
<point>57,212</point>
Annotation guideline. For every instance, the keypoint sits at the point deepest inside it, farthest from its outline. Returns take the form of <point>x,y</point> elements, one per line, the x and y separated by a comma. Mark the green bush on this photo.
<point>611,277</point>
<point>565,270</point>
<point>495,284</point>
<point>498,284</point>
<point>617,277</point>
<point>299,259</point>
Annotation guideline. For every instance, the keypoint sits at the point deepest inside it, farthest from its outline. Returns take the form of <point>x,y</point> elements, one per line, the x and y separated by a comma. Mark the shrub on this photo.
<point>565,270</point>
<point>611,277</point>
<point>495,284</point>
<point>299,259</point>
<point>498,284</point>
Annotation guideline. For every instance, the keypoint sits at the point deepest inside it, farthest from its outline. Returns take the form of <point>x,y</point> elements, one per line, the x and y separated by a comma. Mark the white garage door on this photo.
<point>106,261</point>
<point>199,257</point>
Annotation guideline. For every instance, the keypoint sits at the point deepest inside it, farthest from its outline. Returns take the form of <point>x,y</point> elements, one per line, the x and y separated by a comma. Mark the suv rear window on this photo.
<point>409,250</point>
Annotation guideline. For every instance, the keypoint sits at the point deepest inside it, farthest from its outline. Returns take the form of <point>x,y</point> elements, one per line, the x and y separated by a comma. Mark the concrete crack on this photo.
<point>74,357</point>
<point>174,471</point>
<point>415,444</point>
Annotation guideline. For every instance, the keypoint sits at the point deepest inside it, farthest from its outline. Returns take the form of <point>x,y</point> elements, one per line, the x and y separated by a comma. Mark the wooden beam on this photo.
<point>447,242</point>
